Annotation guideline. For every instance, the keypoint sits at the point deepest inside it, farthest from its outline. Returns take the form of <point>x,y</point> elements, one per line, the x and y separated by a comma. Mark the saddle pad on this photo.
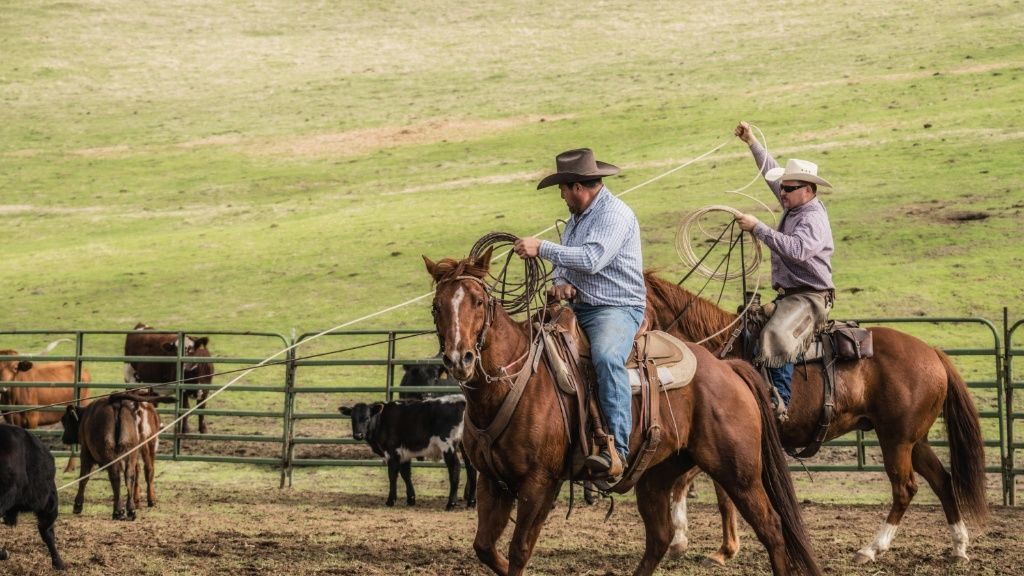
<point>675,373</point>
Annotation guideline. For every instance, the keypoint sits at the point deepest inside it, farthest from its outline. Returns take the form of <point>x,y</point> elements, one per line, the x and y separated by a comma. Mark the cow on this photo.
<point>144,342</point>
<point>108,429</point>
<point>27,484</point>
<point>403,430</point>
<point>28,371</point>
<point>422,375</point>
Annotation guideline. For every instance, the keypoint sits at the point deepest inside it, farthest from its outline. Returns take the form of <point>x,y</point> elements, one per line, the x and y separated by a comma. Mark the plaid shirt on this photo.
<point>600,255</point>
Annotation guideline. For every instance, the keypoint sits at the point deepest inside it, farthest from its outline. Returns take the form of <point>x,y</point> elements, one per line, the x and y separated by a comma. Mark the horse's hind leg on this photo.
<point>898,466</point>
<point>654,498</point>
<point>494,506</point>
<point>753,504</point>
<point>927,464</point>
<point>730,538</point>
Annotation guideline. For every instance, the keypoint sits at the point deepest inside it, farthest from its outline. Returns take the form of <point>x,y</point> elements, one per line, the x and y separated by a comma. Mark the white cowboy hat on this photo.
<point>801,170</point>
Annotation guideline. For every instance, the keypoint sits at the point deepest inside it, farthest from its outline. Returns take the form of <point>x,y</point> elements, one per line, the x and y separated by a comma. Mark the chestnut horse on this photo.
<point>721,422</point>
<point>899,392</point>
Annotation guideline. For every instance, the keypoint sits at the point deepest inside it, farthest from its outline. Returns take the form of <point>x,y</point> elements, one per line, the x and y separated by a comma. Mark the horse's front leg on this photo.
<point>533,503</point>
<point>493,506</point>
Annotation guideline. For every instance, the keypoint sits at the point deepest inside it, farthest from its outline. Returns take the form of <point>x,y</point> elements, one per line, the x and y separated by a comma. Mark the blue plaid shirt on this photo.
<point>600,255</point>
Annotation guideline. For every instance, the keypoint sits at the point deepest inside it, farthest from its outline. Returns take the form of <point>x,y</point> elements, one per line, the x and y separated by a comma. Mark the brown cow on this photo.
<point>144,342</point>
<point>107,429</point>
<point>27,371</point>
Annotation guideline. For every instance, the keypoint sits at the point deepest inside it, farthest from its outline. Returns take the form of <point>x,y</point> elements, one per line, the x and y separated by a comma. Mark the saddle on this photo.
<point>658,362</point>
<point>835,342</point>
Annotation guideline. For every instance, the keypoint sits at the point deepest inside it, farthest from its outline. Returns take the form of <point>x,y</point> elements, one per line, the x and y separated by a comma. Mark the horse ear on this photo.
<point>431,267</point>
<point>484,261</point>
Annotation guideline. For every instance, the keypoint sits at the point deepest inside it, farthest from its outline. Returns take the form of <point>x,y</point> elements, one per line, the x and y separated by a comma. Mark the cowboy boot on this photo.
<point>606,462</point>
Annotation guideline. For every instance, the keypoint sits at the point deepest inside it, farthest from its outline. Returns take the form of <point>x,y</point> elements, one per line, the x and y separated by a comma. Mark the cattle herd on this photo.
<point>118,430</point>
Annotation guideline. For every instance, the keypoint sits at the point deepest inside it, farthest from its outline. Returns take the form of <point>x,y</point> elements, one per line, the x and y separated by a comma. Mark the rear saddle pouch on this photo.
<point>851,341</point>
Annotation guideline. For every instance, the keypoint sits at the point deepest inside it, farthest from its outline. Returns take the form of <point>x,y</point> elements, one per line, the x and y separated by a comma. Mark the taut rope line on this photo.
<point>265,362</point>
<point>351,322</point>
<point>186,380</point>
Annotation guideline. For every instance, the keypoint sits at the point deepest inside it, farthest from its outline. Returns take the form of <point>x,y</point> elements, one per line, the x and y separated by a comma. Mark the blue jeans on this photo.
<point>611,331</point>
<point>782,377</point>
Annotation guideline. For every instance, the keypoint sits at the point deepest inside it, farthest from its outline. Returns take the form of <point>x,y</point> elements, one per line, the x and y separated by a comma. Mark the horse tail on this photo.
<point>966,447</point>
<point>775,476</point>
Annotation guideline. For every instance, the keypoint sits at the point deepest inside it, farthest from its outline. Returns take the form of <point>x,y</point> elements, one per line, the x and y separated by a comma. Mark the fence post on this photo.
<point>1009,487</point>
<point>391,367</point>
<point>287,444</point>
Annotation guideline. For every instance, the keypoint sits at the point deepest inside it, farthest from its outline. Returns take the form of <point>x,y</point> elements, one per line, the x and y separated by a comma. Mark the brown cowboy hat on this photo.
<point>577,166</point>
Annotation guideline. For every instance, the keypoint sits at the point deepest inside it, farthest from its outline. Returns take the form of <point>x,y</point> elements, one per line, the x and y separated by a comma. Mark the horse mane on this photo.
<point>702,317</point>
<point>450,268</point>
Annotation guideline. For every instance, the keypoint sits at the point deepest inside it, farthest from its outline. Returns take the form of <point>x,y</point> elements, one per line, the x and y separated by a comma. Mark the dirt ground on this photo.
<point>254,528</point>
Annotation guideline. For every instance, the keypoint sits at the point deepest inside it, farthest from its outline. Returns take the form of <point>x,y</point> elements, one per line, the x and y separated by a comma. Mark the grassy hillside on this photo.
<point>276,165</point>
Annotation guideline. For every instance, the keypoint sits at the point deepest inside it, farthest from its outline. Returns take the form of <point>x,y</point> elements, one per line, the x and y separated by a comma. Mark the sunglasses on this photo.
<point>789,189</point>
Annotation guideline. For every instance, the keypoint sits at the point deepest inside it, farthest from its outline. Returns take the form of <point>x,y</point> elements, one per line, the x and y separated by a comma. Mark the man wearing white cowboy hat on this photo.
<point>801,262</point>
<point>599,265</point>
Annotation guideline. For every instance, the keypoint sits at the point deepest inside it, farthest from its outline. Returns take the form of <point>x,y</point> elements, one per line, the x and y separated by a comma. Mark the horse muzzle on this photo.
<point>460,364</point>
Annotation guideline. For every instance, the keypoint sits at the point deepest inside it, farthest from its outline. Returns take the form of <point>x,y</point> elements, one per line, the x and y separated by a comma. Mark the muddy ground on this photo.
<point>243,526</point>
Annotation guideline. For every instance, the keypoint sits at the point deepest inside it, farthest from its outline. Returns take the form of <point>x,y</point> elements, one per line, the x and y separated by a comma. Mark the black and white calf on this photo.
<point>407,429</point>
<point>27,485</point>
<point>414,375</point>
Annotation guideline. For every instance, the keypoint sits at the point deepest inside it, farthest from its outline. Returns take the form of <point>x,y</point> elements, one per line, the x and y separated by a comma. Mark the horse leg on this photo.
<point>533,503</point>
<point>752,501</point>
<point>494,507</point>
<point>730,538</point>
<point>654,498</point>
<point>680,494</point>
<point>927,464</point>
<point>899,468</point>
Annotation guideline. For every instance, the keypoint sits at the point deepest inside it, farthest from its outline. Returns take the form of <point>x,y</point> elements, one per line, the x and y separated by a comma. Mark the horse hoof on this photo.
<point>3,554</point>
<point>960,559</point>
<point>713,561</point>
<point>678,549</point>
<point>862,558</point>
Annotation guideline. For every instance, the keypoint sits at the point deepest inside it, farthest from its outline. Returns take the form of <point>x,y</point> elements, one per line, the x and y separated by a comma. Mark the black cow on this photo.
<point>407,429</point>
<point>27,485</point>
<point>423,375</point>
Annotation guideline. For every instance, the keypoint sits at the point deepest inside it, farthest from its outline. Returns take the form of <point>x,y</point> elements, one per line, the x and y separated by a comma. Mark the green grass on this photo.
<point>282,166</point>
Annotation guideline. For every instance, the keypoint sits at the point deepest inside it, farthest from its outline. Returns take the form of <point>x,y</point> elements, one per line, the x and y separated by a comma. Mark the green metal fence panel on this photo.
<point>305,396</point>
<point>1011,469</point>
<point>102,350</point>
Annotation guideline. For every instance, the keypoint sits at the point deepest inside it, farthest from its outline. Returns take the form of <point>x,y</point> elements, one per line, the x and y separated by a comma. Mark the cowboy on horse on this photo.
<point>599,267</point>
<point>801,264</point>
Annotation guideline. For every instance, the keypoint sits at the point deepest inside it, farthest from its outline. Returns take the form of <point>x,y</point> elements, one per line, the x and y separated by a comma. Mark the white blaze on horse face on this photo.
<point>960,539</point>
<point>456,304</point>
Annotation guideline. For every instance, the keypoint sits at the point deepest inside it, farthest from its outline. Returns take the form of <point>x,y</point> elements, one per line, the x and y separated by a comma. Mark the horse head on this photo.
<point>463,309</point>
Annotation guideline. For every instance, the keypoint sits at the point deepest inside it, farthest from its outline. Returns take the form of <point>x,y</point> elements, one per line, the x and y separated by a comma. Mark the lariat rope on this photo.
<point>265,362</point>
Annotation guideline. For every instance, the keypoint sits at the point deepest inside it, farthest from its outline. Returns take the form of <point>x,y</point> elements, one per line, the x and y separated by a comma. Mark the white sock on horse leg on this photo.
<point>881,543</point>
<point>960,539</point>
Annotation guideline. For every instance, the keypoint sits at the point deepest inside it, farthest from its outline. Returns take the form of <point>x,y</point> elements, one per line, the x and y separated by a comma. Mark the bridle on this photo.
<point>490,303</point>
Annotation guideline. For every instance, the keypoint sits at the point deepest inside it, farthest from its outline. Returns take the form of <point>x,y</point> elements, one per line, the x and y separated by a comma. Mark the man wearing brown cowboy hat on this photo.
<point>801,262</point>
<point>599,267</point>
